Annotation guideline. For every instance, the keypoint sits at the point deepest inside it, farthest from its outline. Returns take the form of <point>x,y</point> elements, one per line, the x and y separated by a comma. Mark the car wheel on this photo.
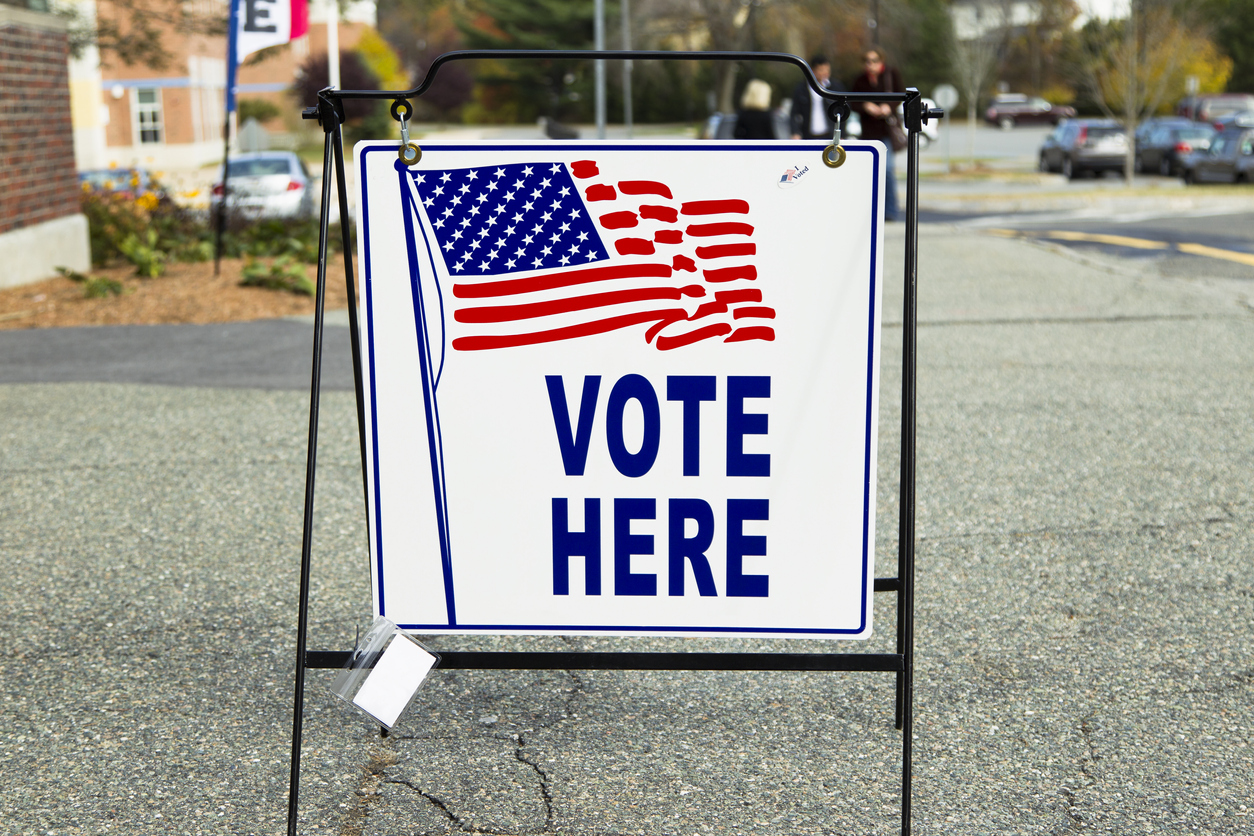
<point>1188,176</point>
<point>1043,165</point>
<point>1006,123</point>
<point>1138,164</point>
<point>1165,167</point>
<point>1068,169</point>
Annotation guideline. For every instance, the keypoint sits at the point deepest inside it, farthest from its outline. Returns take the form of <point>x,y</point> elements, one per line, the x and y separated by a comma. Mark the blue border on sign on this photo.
<point>877,158</point>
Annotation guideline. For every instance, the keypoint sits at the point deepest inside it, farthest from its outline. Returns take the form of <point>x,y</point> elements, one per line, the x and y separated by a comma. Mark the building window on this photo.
<point>148,115</point>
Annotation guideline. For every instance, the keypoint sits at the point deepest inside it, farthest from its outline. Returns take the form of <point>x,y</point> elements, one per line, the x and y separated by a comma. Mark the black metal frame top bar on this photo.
<point>617,55</point>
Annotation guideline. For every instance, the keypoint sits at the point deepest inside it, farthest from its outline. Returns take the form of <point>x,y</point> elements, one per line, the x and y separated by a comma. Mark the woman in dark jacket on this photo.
<point>878,77</point>
<point>754,119</point>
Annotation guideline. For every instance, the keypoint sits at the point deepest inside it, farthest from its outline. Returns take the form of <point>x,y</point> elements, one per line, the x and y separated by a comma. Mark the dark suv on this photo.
<point>1010,109</point>
<point>1082,146</point>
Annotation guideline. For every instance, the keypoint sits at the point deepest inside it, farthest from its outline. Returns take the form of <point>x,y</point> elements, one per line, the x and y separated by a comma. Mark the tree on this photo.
<point>1134,66</point>
<point>131,30</point>
<point>420,31</point>
<point>523,90</point>
<point>1233,27</point>
<point>978,39</point>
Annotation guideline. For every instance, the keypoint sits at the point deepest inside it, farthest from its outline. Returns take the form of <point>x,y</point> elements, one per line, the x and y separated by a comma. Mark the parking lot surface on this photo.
<point>1084,642</point>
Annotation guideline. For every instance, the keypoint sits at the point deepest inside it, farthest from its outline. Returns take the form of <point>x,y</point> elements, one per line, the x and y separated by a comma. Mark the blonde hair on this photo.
<point>757,95</point>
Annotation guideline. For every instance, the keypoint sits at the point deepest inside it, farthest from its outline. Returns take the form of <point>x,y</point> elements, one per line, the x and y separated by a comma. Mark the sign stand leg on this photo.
<point>330,118</point>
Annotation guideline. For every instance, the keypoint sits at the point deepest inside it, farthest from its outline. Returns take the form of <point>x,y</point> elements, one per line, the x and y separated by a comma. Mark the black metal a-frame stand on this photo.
<point>330,114</point>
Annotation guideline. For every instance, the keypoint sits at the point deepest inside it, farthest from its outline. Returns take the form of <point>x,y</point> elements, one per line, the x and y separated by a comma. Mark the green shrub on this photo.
<point>143,253</point>
<point>99,287</point>
<point>285,273</point>
<point>259,109</point>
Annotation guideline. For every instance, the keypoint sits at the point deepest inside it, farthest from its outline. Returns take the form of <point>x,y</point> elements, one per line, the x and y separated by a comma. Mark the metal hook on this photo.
<point>834,155</point>
<point>409,152</point>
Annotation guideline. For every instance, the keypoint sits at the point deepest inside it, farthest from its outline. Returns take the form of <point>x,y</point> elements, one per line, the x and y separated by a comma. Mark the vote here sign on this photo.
<point>622,388</point>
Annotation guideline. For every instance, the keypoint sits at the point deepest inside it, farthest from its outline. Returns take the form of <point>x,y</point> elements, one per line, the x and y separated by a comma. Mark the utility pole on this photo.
<point>599,34</point>
<point>627,67</point>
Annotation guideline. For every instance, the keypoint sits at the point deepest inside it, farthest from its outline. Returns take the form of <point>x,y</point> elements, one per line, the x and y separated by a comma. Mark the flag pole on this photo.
<point>228,102</point>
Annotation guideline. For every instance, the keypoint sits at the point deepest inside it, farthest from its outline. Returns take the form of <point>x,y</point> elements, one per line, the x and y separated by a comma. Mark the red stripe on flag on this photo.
<point>725,250</point>
<point>715,207</point>
<point>729,228</point>
<point>583,169</point>
<point>587,329</point>
<point>548,281</point>
<point>600,192</point>
<point>659,213</point>
<point>730,274</point>
<point>683,262</point>
<point>731,297</point>
<point>644,187</point>
<point>634,246</point>
<point>662,323</point>
<point>709,308</point>
<point>668,236</point>
<point>753,332</point>
<point>513,313</point>
<point>756,313</point>
<point>716,330</point>
<point>619,220</point>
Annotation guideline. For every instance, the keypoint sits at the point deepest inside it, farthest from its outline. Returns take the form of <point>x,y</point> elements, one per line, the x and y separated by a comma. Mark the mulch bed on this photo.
<point>187,293</point>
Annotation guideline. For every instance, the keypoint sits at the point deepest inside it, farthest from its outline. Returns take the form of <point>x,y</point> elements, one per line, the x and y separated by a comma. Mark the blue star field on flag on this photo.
<point>497,220</point>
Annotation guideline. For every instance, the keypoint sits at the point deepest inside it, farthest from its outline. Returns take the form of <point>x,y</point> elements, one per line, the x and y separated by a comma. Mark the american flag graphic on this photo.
<point>542,252</point>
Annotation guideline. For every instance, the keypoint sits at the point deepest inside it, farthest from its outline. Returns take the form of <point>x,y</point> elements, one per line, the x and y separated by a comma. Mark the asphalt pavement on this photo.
<point>1084,642</point>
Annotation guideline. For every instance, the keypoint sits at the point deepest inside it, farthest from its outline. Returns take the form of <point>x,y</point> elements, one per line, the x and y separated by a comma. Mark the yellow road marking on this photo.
<point>1213,252</point>
<point>1113,240</point>
<point>1124,241</point>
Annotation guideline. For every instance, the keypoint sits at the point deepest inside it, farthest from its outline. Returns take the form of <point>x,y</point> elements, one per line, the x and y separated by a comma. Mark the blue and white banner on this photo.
<point>622,388</point>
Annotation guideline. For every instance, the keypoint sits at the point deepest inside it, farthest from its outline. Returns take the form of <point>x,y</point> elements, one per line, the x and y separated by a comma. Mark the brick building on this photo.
<point>41,225</point>
<point>171,118</point>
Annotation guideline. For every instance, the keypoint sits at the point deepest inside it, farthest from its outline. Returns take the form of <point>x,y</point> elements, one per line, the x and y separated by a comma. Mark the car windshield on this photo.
<point>261,167</point>
<point>1101,132</point>
<point>1196,133</point>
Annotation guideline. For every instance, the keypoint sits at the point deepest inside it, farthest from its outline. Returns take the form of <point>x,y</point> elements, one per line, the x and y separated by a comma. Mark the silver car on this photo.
<point>1079,147</point>
<point>267,184</point>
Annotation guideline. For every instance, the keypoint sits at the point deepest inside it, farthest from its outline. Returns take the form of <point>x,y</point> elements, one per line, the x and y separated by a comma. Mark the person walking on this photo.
<point>878,77</point>
<point>809,110</point>
<point>753,121</point>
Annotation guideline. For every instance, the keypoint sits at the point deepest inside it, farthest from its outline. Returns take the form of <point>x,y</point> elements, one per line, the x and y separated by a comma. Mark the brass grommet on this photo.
<point>835,160</point>
<point>409,153</point>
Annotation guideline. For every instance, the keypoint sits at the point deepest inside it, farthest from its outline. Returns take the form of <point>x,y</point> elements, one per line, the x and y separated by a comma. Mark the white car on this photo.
<point>267,184</point>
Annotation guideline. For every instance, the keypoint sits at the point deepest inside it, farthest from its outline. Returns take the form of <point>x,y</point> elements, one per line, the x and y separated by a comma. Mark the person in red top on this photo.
<point>878,77</point>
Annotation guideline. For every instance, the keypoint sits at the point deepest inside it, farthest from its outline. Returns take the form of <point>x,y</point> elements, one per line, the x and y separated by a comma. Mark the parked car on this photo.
<point>1151,124</point>
<point>1010,109</point>
<point>1078,147</point>
<point>1229,159</point>
<point>267,184</point>
<point>1210,107</point>
<point>129,182</point>
<point>1244,118</point>
<point>1163,149</point>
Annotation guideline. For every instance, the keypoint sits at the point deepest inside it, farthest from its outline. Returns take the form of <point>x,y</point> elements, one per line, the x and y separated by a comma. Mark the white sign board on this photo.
<point>620,388</point>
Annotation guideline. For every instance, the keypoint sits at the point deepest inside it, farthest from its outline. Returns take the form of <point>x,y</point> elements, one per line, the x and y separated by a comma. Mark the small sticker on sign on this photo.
<point>791,176</point>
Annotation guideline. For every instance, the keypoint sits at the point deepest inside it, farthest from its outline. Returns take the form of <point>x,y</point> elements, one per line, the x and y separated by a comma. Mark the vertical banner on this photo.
<point>622,388</point>
<point>255,25</point>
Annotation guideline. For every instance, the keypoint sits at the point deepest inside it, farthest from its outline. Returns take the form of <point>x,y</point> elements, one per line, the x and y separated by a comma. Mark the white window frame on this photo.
<point>137,111</point>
